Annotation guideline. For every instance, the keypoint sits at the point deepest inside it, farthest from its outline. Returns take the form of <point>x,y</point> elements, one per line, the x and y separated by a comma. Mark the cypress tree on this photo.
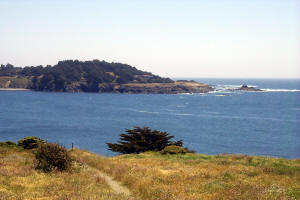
<point>139,140</point>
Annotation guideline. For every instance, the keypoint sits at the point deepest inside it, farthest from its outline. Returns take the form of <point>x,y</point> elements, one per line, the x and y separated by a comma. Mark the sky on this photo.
<point>171,38</point>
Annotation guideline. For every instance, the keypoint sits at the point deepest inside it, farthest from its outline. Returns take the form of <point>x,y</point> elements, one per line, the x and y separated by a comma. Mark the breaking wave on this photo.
<point>232,88</point>
<point>280,90</point>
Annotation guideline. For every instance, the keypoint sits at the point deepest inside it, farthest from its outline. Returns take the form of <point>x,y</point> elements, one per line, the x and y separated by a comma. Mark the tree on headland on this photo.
<point>72,75</point>
<point>139,140</point>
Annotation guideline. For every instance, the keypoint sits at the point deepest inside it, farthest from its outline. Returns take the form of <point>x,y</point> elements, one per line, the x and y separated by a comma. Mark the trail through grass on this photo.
<point>20,181</point>
<point>152,176</point>
<point>116,186</point>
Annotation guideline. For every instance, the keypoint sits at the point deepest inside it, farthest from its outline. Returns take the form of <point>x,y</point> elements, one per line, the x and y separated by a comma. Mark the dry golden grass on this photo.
<point>195,176</point>
<point>151,176</point>
<point>20,181</point>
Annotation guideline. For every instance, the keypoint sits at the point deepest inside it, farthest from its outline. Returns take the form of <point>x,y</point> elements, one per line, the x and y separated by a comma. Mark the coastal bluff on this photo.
<point>93,76</point>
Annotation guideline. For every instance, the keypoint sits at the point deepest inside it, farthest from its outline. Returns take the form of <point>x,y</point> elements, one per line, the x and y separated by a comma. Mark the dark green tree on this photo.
<point>139,140</point>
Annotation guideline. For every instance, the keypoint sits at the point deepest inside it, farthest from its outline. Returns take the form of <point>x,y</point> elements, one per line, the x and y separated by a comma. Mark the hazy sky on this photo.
<point>174,38</point>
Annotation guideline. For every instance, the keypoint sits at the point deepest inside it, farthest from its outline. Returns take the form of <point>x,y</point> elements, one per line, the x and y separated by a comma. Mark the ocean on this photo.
<point>253,123</point>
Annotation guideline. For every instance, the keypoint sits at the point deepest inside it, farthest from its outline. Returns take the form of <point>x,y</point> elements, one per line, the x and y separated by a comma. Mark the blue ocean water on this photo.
<point>253,123</point>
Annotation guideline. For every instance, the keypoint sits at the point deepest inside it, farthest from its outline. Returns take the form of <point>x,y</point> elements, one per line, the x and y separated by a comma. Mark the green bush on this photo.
<point>8,143</point>
<point>52,156</point>
<point>30,142</point>
<point>173,149</point>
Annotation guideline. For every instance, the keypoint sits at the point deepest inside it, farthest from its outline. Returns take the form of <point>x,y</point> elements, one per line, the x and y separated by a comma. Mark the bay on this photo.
<point>253,123</point>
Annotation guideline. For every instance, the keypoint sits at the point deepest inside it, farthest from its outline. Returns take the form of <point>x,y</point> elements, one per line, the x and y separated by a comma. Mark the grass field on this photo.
<point>195,176</point>
<point>19,180</point>
<point>151,176</point>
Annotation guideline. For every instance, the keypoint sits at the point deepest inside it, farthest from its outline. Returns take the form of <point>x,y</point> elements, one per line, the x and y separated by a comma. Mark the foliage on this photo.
<point>8,143</point>
<point>30,142</point>
<point>8,70</point>
<point>86,75</point>
<point>139,140</point>
<point>173,149</point>
<point>52,156</point>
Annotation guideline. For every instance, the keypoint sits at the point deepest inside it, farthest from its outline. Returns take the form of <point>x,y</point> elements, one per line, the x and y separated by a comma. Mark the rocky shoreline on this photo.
<point>177,87</point>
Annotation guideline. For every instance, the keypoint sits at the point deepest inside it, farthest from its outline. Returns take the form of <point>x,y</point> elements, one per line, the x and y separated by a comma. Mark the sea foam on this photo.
<point>280,90</point>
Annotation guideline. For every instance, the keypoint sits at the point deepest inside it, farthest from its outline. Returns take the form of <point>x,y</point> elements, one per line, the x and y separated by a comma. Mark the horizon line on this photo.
<point>194,77</point>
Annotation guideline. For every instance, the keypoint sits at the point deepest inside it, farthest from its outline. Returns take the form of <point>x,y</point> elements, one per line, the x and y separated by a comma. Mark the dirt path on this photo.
<point>116,186</point>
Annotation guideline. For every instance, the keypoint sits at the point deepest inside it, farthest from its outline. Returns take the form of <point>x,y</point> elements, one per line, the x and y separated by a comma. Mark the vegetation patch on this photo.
<point>294,193</point>
<point>8,143</point>
<point>281,169</point>
<point>52,156</point>
<point>173,149</point>
<point>31,142</point>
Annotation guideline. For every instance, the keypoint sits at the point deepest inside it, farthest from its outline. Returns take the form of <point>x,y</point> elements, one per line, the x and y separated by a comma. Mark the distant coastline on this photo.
<point>102,77</point>
<point>93,76</point>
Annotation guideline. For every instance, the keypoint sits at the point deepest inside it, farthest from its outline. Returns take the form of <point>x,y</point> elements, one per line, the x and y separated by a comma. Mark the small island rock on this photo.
<point>249,89</point>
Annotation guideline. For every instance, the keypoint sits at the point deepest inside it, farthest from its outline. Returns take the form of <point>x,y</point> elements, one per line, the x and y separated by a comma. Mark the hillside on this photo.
<point>150,176</point>
<point>75,75</point>
<point>89,76</point>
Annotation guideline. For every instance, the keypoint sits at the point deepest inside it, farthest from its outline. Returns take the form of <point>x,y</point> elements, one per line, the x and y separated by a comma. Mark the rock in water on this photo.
<point>249,89</point>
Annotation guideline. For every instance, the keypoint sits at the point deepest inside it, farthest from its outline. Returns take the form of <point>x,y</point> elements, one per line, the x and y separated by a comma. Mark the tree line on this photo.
<point>86,76</point>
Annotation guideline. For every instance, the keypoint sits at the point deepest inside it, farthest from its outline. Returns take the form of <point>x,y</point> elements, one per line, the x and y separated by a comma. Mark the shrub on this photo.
<point>8,143</point>
<point>173,149</point>
<point>52,156</point>
<point>30,142</point>
<point>144,139</point>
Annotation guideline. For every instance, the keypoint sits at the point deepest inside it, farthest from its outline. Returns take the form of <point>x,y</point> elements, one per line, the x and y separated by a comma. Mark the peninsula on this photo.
<point>93,76</point>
